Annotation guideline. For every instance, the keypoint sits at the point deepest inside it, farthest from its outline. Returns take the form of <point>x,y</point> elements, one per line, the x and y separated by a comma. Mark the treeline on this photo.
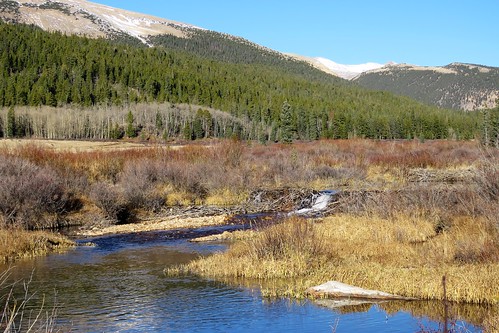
<point>50,69</point>
<point>151,120</point>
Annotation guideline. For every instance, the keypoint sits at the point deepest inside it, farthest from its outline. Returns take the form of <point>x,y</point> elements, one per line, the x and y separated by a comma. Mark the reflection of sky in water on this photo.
<point>119,286</point>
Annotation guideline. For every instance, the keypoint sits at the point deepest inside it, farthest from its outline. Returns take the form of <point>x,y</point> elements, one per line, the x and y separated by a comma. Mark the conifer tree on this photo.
<point>187,132</point>
<point>288,129</point>
<point>130,127</point>
<point>10,130</point>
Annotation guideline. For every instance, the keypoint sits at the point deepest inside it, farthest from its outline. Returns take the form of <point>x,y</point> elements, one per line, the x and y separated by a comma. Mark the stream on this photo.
<point>119,286</point>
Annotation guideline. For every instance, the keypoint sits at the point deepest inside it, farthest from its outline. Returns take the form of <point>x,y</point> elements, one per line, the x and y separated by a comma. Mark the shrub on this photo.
<point>110,199</point>
<point>31,196</point>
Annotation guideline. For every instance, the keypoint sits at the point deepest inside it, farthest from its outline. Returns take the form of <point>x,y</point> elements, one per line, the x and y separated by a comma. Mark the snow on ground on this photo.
<point>347,71</point>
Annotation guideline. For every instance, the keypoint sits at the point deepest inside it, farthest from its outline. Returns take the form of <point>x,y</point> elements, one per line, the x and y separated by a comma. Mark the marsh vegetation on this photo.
<point>437,181</point>
<point>409,212</point>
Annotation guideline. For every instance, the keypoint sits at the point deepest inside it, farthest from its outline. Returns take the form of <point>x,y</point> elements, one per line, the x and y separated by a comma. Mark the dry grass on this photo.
<point>17,244</point>
<point>71,145</point>
<point>402,255</point>
<point>491,324</point>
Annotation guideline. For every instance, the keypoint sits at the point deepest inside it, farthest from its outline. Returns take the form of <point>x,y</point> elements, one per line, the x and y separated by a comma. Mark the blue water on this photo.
<point>119,286</point>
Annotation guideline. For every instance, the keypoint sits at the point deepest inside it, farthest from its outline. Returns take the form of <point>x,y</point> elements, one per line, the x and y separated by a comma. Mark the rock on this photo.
<point>335,289</point>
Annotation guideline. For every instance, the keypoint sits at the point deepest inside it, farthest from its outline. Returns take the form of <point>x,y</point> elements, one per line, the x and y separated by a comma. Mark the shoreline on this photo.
<point>156,224</point>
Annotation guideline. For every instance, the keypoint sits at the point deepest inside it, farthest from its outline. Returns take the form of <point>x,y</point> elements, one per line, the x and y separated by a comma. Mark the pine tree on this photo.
<point>197,125</point>
<point>159,122</point>
<point>288,130</point>
<point>187,132</point>
<point>11,130</point>
<point>130,127</point>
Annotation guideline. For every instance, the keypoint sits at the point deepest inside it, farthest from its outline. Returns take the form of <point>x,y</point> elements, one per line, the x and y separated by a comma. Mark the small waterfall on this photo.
<point>320,202</point>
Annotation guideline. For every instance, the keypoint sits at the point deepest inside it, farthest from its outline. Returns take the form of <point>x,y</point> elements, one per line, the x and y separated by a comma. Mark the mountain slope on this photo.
<point>457,86</point>
<point>84,18</point>
<point>90,19</point>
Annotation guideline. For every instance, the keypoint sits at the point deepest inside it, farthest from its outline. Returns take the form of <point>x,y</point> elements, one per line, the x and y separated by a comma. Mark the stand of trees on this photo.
<point>50,69</point>
<point>110,122</point>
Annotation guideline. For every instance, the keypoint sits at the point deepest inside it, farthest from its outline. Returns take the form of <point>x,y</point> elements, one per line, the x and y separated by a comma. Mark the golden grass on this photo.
<point>491,323</point>
<point>226,197</point>
<point>17,244</point>
<point>71,145</point>
<point>402,255</point>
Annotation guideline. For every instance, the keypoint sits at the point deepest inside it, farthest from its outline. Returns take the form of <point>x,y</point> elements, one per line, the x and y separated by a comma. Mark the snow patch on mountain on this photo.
<point>95,20</point>
<point>347,71</point>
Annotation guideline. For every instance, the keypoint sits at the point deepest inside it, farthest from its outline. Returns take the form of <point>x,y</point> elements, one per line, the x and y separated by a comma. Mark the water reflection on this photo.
<point>119,286</point>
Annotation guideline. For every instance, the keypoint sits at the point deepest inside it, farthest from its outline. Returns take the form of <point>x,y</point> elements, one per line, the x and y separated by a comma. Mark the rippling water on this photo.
<point>119,286</point>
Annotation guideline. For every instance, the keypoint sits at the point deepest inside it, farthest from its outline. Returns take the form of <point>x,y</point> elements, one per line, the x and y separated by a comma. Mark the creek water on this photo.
<point>119,286</point>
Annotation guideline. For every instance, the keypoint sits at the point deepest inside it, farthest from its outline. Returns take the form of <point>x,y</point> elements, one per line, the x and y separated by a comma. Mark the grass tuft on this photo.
<point>16,244</point>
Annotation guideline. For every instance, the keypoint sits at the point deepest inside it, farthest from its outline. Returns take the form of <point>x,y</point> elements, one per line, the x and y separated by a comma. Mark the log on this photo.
<point>335,289</point>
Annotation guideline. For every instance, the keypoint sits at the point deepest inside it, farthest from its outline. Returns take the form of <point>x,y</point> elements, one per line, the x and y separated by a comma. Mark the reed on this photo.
<point>20,314</point>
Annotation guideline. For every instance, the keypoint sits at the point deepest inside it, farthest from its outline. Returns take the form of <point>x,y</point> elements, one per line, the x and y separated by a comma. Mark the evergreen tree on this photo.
<point>10,128</point>
<point>197,125</point>
<point>131,131</point>
<point>116,132</point>
<point>187,132</point>
<point>288,130</point>
<point>494,126</point>
<point>159,122</point>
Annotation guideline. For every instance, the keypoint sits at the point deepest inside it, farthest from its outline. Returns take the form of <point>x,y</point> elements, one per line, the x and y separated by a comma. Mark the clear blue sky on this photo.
<point>422,32</point>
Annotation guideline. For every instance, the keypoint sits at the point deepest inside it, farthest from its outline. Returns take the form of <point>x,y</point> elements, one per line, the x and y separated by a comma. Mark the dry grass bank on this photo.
<point>17,244</point>
<point>401,255</point>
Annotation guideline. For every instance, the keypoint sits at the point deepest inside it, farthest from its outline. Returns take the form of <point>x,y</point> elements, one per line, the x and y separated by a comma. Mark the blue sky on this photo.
<point>423,32</point>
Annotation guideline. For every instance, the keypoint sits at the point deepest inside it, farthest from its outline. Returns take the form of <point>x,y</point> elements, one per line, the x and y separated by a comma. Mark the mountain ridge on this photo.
<point>457,85</point>
<point>90,19</point>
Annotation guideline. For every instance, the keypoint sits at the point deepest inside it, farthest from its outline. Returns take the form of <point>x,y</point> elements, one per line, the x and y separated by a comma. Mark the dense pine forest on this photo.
<point>102,88</point>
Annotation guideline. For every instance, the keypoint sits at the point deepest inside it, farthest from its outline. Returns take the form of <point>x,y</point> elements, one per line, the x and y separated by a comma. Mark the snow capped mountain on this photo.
<point>348,71</point>
<point>94,20</point>
<point>344,71</point>
<point>91,19</point>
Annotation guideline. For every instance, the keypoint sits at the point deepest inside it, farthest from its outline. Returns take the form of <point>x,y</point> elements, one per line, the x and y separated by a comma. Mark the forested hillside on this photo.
<point>456,86</point>
<point>273,102</point>
<point>226,48</point>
